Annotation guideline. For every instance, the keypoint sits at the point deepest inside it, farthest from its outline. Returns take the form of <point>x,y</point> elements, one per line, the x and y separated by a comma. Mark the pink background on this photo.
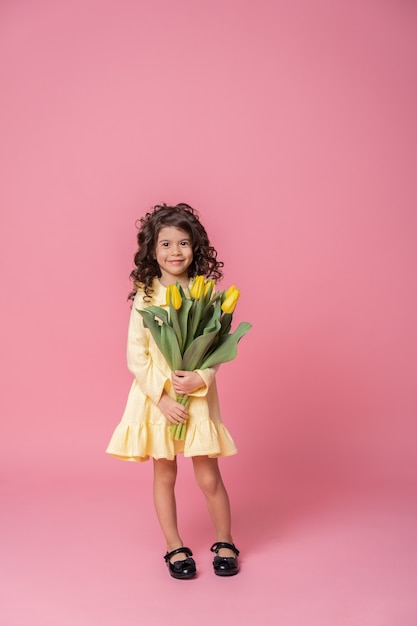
<point>291,126</point>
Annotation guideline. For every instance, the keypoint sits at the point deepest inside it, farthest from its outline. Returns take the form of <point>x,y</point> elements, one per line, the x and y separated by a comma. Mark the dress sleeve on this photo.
<point>208,376</point>
<point>150,378</point>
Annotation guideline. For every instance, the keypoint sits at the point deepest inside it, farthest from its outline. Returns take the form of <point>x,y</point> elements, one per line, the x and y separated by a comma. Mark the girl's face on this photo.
<point>174,255</point>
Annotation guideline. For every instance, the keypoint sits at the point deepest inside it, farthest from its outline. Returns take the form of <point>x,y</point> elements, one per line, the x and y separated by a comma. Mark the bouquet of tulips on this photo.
<point>193,332</point>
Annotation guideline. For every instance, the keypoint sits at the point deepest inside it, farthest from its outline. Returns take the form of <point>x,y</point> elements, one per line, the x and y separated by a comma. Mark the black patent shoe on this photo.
<point>181,569</point>
<point>225,565</point>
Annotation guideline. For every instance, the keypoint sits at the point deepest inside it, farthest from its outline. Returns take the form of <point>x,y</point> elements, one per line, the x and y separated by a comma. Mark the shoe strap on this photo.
<point>223,544</point>
<point>186,551</point>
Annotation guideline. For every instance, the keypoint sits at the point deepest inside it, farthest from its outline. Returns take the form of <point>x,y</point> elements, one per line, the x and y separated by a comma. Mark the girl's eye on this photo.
<point>182,244</point>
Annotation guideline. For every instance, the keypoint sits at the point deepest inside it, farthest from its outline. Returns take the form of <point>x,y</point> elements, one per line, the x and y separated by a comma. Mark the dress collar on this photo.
<point>159,293</point>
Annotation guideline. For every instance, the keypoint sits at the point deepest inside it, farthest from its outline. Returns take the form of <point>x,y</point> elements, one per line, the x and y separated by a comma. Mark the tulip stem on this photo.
<point>177,432</point>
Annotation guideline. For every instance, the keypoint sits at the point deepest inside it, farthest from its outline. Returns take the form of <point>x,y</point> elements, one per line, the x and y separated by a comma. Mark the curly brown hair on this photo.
<point>184,217</point>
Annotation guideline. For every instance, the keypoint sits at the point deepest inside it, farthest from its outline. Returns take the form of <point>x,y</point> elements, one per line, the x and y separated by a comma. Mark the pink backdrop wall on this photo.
<point>291,126</point>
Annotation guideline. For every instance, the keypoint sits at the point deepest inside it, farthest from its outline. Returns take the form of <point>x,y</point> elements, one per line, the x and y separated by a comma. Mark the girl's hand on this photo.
<point>186,382</point>
<point>175,412</point>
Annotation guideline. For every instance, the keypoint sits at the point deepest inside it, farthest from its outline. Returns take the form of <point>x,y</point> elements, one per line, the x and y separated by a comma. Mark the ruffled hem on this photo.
<point>140,441</point>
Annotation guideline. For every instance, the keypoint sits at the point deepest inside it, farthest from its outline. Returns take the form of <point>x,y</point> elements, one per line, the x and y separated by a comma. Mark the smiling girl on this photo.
<point>173,246</point>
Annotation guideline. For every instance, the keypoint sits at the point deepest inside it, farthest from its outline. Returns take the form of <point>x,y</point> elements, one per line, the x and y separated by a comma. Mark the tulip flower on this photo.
<point>195,332</point>
<point>208,288</point>
<point>231,298</point>
<point>197,287</point>
<point>173,297</point>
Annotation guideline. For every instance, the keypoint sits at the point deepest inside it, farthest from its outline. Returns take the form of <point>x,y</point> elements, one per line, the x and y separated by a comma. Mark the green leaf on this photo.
<point>226,349</point>
<point>173,316</point>
<point>183,316</point>
<point>210,314</point>
<point>182,292</point>
<point>164,337</point>
<point>170,348</point>
<point>195,320</point>
<point>213,323</point>
<point>226,322</point>
<point>209,304</point>
<point>197,349</point>
<point>159,312</point>
<point>153,326</point>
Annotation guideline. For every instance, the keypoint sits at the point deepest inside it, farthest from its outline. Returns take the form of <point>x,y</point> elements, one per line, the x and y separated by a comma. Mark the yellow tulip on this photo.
<point>197,287</point>
<point>209,283</point>
<point>231,298</point>
<point>230,291</point>
<point>173,297</point>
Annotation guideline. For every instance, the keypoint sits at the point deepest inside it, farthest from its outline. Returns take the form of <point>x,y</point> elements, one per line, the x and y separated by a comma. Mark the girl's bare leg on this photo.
<point>165,475</point>
<point>209,480</point>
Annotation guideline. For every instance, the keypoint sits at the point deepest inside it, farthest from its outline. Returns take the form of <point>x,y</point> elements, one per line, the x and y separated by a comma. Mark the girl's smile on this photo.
<point>174,255</point>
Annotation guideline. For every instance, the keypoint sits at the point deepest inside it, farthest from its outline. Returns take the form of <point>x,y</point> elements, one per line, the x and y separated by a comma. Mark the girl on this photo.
<point>174,247</point>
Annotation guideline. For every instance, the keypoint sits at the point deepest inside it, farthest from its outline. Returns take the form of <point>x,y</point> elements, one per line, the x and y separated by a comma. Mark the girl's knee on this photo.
<point>165,472</point>
<point>208,477</point>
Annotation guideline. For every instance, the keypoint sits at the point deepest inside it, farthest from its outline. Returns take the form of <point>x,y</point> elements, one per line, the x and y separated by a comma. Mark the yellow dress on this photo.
<point>143,431</point>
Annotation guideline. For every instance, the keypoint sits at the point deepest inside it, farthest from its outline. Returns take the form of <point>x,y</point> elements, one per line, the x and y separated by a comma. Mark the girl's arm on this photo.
<point>151,380</point>
<point>194,383</point>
